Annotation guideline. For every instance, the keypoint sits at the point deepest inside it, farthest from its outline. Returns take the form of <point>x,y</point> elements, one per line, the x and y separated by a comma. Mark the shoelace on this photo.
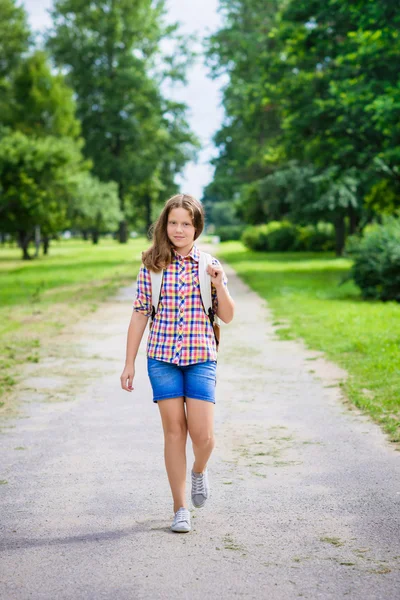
<point>198,484</point>
<point>181,515</point>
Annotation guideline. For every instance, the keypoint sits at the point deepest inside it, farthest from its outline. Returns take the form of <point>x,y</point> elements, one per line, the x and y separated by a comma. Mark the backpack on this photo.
<point>205,290</point>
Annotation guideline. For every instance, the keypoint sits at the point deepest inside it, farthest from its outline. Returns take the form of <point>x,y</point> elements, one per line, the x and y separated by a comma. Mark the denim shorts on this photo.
<point>192,381</point>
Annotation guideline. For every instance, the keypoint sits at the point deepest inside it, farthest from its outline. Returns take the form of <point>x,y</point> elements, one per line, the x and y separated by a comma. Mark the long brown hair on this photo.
<point>159,255</point>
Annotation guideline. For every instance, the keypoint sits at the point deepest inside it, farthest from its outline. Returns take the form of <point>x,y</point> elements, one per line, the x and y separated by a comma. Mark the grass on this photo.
<point>39,297</point>
<point>363,337</point>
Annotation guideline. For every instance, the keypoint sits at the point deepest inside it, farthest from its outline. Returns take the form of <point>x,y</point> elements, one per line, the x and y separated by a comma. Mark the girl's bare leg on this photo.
<point>200,422</point>
<point>174,424</point>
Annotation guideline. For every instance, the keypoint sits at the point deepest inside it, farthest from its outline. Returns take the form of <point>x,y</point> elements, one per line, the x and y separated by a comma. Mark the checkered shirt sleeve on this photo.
<point>142,302</point>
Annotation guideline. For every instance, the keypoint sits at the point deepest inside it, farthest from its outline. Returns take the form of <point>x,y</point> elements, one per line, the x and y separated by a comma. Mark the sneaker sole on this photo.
<point>183,529</point>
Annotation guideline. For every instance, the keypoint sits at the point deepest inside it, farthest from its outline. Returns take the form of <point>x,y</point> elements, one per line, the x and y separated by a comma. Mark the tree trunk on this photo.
<point>354,220</point>
<point>23,240</point>
<point>123,232</point>
<point>37,240</point>
<point>95,236</point>
<point>123,225</point>
<point>340,234</point>
<point>85,235</point>
<point>46,244</point>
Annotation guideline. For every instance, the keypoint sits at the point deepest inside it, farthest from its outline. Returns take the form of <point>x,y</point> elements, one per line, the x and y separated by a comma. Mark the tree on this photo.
<point>40,102</point>
<point>241,51</point>
<point>14,37</point>
<point>15,40</point>
<point>318,80</point>
<point>94,206</point>
<point>110,51</point>
<point>36,183</point>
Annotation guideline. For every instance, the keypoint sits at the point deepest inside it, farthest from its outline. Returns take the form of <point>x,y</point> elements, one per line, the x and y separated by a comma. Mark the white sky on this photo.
<point>202,95</point>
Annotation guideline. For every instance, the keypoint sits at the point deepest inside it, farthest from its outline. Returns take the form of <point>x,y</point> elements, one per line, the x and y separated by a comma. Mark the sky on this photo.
<point>201,94</point>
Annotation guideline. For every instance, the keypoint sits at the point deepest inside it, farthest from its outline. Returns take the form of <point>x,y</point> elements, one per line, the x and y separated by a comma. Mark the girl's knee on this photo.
<point>203,438</point>
<point>176,433</point>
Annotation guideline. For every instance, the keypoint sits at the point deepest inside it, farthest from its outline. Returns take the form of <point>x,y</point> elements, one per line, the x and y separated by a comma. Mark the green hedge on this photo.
<point>283,236</point>
<point>376,255</point>
<point>230,232</point>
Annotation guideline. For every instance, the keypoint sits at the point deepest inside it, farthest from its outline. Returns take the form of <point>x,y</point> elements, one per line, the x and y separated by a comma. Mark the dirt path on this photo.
<point>305,492</point>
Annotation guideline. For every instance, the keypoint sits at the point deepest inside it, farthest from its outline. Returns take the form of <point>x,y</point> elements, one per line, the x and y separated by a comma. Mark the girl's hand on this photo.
<point>217,275</point>
<point>127,377</point>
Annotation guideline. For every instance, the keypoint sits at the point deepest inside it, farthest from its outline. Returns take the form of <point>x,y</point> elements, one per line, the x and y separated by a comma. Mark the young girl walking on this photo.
<point>181,347</point>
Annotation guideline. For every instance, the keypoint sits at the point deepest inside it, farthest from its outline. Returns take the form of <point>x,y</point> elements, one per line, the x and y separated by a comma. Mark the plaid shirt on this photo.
<point>181,332</point>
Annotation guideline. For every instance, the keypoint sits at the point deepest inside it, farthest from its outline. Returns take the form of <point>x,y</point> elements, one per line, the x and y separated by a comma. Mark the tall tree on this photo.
<point>327,72</point>
<point>15,39</point>
<point>40,102</point>
<point>15,36</point>
<point>241,51</point>
<point>110,49</point>
<point>36,183</point>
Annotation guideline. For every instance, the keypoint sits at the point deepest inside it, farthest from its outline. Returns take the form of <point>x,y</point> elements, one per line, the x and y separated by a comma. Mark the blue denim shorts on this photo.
<point>192,381</point>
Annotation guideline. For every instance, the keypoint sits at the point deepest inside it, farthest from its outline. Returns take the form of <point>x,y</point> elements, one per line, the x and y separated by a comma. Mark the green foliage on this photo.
<point>94,205</point>
<point>241,51</point>
<point>316,238</point>
<point>275,236</point>
<point>36,183</point>
<point>283,236</point>
<point>221,213</point>
<point>14,37</point>
<point>133,134</point>
<point>230,232</point>
<point>312,108</point>
<point>41,103</point>
<point>376,267</point>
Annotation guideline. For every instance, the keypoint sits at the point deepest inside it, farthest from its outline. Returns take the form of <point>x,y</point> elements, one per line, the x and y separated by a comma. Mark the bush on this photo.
<point>376,267</point>
<point>255,238</point>
<point>229,232</point>
<point>283,236</point>
<point>276,236</point>
<point>316,238</point>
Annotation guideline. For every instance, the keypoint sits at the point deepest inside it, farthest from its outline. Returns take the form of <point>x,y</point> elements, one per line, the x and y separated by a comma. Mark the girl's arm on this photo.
<point>135,333</point>
<point>226,306</point>
<point>141,313</point>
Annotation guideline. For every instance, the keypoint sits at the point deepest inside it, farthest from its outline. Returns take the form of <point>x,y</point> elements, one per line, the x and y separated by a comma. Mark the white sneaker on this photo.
<point>200,488</point>
<point>181,522</point>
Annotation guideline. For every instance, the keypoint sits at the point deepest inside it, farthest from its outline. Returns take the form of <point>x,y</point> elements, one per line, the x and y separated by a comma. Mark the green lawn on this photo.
<point>40,297</point>
<point>363,337</point>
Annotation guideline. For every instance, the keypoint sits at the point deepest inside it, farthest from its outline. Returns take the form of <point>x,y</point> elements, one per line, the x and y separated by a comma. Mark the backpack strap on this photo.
<point>156,282</point>
<point>205,286</point>
<point>205,281</point>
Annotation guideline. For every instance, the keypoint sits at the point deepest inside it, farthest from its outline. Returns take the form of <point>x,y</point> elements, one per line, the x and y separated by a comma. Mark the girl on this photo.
<point>181,347</point>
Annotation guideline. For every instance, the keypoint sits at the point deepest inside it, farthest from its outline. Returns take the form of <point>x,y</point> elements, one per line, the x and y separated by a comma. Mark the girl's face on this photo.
<point>180,229</point>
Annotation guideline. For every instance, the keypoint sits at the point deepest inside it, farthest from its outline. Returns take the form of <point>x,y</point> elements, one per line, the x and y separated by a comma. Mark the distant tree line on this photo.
<point>88,140</point>
<point>312,103</point>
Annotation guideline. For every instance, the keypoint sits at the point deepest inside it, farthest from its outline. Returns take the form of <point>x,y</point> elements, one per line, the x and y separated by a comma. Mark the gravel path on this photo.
<point>305,491</point>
